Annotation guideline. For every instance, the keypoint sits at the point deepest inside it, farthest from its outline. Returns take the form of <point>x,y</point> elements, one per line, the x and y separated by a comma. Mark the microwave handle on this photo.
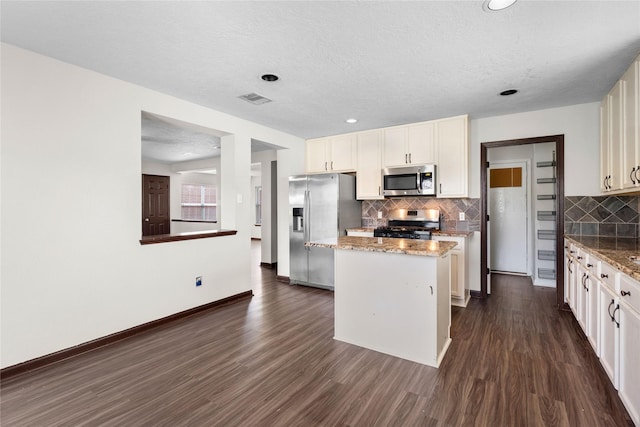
<point>418,183</point>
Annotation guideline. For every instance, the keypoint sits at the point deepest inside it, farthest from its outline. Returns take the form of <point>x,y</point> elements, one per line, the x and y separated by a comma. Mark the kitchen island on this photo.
<point>392,295</point>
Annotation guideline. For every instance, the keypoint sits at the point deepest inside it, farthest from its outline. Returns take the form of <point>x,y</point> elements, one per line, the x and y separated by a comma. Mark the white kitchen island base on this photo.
<point>396,304</point>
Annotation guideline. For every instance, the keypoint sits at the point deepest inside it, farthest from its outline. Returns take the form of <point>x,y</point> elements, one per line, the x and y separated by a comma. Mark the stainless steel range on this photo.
<point>410,224</point>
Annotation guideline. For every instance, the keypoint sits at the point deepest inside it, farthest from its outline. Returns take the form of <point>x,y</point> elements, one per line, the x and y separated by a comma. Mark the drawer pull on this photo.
<point>625,293</point>
<point>589,265</point>
<point>579,257</point>
<point>604,276</point>
<point>609,310</point>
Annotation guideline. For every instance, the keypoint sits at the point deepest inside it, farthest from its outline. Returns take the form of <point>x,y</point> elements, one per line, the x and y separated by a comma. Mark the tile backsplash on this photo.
<point>583,215</point>
<point>601,216</point>
<point>450,208</point>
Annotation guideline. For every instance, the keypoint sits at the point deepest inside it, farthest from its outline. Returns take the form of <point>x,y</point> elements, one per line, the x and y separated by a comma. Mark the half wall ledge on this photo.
<point>164,238</point>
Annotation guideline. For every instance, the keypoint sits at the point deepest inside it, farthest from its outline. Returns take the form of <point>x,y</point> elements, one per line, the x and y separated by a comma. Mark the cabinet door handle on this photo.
<point>572,252</point>
<point>331,164</point>
<point>325,165</point>
<point>584,279</point>
<point>569,266</point>
<point>636,174</point>
<point>379,190</point>
<point>604,276</point>
<point>440,188</point>
<point>409,157</point>
<point>613,318</point>
<point>625,293</point>
<point>632,174</point>
<point>609,310</point>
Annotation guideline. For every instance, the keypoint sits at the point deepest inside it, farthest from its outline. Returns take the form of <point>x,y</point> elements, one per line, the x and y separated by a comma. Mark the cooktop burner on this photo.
<point>410,224</point>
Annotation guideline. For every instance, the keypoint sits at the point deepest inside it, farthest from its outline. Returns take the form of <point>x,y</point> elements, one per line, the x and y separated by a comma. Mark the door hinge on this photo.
<point>488,271</point>
<point>488,218</point>
<point>487,165</point>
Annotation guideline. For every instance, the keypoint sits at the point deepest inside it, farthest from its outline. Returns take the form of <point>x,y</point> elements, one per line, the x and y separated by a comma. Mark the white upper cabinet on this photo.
<point>396,149</point>
<point>331,154</point>
<point>316,155</point>
<point>604,144</point>
<point>368,172</point>
<point>422,143</point>
<point>619,138</point>
<point>452,151</point>
<point>444,143</point>
<point>631,126</point>
<point>409,145</point>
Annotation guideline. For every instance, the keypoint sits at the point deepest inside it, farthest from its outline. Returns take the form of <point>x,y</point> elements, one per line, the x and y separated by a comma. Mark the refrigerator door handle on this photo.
<point>306,216</point>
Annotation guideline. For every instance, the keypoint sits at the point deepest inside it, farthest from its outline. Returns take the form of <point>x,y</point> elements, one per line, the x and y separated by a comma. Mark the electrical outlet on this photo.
<point>198,281</point>
<point>379,214</point>
<point>461,216</point>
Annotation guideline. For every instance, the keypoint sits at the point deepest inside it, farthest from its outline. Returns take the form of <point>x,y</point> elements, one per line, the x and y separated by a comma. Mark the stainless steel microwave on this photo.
<point>409,181</point>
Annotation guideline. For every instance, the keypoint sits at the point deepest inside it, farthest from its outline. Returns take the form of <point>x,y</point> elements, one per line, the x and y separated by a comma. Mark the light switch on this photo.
<point>461,216</point>
<point>379,214</point>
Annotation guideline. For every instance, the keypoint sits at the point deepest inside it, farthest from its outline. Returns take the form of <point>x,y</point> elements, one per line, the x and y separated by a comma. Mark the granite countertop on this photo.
<point>614,251</point>
<point>438,233</point>
<point>383,244</point>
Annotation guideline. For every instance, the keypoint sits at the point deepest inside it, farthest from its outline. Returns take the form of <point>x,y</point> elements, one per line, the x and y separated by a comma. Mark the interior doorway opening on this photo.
<point>551,192</point>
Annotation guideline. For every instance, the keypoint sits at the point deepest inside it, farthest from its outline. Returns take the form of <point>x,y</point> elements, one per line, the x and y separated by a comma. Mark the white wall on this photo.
<point>580,125</point>
<point>73,269</point>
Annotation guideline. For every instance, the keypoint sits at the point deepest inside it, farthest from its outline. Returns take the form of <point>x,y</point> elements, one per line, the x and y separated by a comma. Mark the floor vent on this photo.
<point>255,99</point>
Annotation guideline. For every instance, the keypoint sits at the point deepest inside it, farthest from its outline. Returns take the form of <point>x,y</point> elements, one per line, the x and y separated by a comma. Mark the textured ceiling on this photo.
<point>171,141</point>
<point>385,63</point>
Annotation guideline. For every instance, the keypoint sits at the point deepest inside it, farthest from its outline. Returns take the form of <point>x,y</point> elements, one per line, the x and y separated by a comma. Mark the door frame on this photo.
<point>559,140</point>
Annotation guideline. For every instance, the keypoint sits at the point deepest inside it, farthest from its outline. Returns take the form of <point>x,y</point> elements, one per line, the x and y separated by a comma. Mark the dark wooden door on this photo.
<point>155,205</point>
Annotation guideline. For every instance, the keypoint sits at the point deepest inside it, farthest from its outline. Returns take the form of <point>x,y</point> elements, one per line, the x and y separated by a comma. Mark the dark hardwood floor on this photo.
<point>271,361</point>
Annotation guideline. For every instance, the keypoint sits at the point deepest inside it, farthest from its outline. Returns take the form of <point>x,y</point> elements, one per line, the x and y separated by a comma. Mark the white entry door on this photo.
<point>509,213</point>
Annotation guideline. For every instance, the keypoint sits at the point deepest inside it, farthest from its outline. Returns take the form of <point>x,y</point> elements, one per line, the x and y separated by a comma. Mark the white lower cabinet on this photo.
<point>569,277</point>
<point>593,334</point>
<point>582,292</point>
<point>628,318</point>
<point>460,293</point>
<point>606,304</point>
<point>609,335</point>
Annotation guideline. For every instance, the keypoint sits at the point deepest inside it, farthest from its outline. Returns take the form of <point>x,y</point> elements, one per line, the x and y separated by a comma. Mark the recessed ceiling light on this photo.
<point>494,5</point>
<point>351,121</point>
<point>269,77</point>
<point>509,92</point>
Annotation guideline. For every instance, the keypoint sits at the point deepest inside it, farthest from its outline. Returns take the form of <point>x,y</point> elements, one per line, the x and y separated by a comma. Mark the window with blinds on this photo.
<point>199,202</point>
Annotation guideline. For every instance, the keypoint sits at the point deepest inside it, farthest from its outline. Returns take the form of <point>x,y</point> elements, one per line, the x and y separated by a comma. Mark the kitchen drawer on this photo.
<point>582,256</point>
<point>608,275</point>
<point>593,265</point>
<point>630,292</point>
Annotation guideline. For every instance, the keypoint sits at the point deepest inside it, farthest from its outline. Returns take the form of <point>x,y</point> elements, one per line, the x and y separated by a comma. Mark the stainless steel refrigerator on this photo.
<point>320,207</point>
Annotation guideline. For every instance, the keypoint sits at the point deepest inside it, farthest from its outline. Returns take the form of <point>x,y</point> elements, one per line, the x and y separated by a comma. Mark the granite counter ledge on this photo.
<point>453,233</point>
<point>383,244</point>
<point>614,251</point>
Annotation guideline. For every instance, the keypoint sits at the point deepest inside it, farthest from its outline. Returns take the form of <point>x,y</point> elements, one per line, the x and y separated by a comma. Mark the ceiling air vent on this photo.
<point>254,98</point>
